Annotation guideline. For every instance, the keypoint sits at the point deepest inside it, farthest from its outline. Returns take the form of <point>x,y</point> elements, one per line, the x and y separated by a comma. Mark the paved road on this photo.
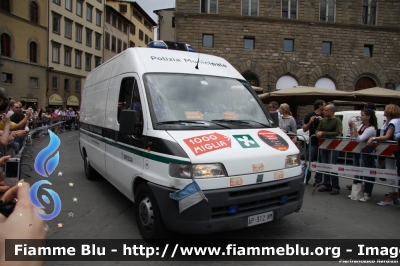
<point>102,212</point>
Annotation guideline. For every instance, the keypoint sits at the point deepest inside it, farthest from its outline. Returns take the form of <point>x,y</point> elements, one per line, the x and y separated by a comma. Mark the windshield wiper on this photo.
<point>239,122</point>
<point>182,122</point>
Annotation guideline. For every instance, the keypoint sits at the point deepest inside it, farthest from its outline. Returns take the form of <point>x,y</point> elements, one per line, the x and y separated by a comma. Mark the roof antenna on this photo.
<point>197,65</point>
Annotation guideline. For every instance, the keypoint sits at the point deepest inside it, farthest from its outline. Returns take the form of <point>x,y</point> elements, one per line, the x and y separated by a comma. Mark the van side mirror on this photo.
<point>129,122</point>
<point>275,117</point>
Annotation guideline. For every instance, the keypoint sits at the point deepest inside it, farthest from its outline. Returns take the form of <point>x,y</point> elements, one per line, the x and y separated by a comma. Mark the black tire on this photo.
<point>90,173</point>
<point>147,213</point>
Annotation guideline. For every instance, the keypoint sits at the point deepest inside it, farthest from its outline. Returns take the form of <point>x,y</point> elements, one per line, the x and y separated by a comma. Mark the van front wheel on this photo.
<point>147,213</point>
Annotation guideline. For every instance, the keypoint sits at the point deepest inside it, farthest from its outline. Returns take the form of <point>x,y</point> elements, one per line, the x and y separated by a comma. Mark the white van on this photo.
<point>346,116</point>
<point>154,120</point>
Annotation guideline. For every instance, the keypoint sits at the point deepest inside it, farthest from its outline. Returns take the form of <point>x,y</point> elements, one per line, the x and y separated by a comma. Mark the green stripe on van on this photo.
<point>142,153</point>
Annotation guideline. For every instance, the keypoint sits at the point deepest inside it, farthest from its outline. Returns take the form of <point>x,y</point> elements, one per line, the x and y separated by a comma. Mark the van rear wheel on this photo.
<point>90,173</point>
<point>147,213</point>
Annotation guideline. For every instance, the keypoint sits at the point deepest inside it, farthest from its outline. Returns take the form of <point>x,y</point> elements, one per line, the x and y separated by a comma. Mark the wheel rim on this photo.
<point>146,213</point>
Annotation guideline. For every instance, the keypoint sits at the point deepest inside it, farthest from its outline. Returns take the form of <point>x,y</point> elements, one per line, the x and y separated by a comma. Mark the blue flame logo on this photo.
<point>45,153</point>
<point>51,165</point>
<point>35,201</point>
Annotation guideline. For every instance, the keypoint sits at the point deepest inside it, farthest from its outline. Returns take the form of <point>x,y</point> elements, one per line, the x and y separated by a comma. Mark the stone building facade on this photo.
<point>23,32</point>
<point>343,45</point>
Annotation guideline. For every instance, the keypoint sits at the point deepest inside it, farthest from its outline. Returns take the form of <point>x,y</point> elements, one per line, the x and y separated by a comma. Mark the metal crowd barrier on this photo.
<point>348,146</point>
<point>24,150</point>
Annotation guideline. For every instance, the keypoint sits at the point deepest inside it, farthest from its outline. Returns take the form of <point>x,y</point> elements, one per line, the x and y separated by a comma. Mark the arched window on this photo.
<point>251,79</point>
<point>34,12</point>
<point>286,82</point>
<point>5,5</point>
<point>325,83</point>
<point>364,83</point>
<point>33,52</point>
<point>5,45</point>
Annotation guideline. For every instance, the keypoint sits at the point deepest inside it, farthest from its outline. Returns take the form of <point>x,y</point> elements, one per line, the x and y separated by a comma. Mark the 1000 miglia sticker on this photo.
<point>273,140</point>
<point>208,143</point>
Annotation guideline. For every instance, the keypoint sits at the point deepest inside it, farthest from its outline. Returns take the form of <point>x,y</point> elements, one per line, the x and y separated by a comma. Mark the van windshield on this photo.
<point>184,100</point>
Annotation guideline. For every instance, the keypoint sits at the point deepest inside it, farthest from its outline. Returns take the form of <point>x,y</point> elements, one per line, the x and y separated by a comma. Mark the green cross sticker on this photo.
<point>246,141</point>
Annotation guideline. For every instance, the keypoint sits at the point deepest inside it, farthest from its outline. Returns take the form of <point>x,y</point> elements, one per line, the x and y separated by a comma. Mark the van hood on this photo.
<point>240,151</point>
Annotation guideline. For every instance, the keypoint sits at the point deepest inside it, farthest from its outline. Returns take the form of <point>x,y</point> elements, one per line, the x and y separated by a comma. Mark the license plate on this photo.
<point>260,218</point>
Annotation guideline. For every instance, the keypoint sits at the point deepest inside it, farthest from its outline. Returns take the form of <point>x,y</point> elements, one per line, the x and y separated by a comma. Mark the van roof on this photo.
<point>147,60</point>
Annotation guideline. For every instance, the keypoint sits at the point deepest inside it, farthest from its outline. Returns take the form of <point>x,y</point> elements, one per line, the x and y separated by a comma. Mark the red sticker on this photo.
<point>207,143</point>
<point>273,140</point>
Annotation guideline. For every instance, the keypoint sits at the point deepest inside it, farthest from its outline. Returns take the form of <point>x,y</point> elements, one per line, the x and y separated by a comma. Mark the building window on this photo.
<point>5,5</point>
<point>97,61</point>
<point>119,46</point>
<point>97,41</point>
<point>68,5</point>
<point>107,41</point>
<point>131,44</point>
<point>34,12</point>
<point>120,24</point>
<point>326,47</point>
<point>78,34</point>
<point>6,78</point>
<point>89,10</point>
<point>98,18</point>
<point>58,2</point>
<point>66,84</point>
<point>208,40</point>
<point>288,45</point>
<point>79,5</point>
<point>108,16</point>
<point>146,39</point>
<point>173,22</point>
<point>78,59</point>
<point>33,52</point>
<point>209,6</point>
<point>123,8</point>
<point>88,59</point>
<point>286,82</point>
<point>125,46</point>
<point>136,14</point>
<point>250,7</point>
<point>77,86</point>
<point>147,25</point>
<point>141,35</point>
<point>114,44</point>
<point>125,28</point>
<point>88,37</point>
<point>56,53</point>
<point>55,83</point>
<point>114,20</point>
<point>56,24</point>
<point>325,83</point>
<point>327,10</point>
<point>133,29</point>
<point>368,50</point>
<point>289,9</point>
<point>369,12</point>
<point>5,45</point>
<point>68,29</point>
<point>34,82</point>
<point>249,43</point>
<point>67,56</point>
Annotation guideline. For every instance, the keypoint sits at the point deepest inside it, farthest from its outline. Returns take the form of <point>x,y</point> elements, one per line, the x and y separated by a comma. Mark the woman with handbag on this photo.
<point>365,131</point>
<point>392,112</point>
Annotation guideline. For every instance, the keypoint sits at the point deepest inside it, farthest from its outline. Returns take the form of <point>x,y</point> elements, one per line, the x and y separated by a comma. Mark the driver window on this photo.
<point>129,98</point>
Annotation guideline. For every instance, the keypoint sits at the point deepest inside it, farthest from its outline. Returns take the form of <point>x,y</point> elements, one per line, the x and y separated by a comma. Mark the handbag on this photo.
<point>357,191</point>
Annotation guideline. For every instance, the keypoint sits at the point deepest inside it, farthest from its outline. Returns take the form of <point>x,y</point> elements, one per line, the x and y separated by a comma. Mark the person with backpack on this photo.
<point>366,130</point>
<point>392,113</point>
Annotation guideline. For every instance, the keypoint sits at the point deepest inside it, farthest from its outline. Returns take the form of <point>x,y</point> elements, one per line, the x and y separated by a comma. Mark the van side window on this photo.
<point>129,97</point>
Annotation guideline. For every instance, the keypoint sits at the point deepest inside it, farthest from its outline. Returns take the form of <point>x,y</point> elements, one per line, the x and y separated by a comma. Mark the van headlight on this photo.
<point>292,160</point>
<point>196,170</point>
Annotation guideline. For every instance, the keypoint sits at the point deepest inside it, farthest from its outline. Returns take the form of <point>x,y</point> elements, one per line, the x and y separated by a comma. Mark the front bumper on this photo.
<point>213,216</point>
